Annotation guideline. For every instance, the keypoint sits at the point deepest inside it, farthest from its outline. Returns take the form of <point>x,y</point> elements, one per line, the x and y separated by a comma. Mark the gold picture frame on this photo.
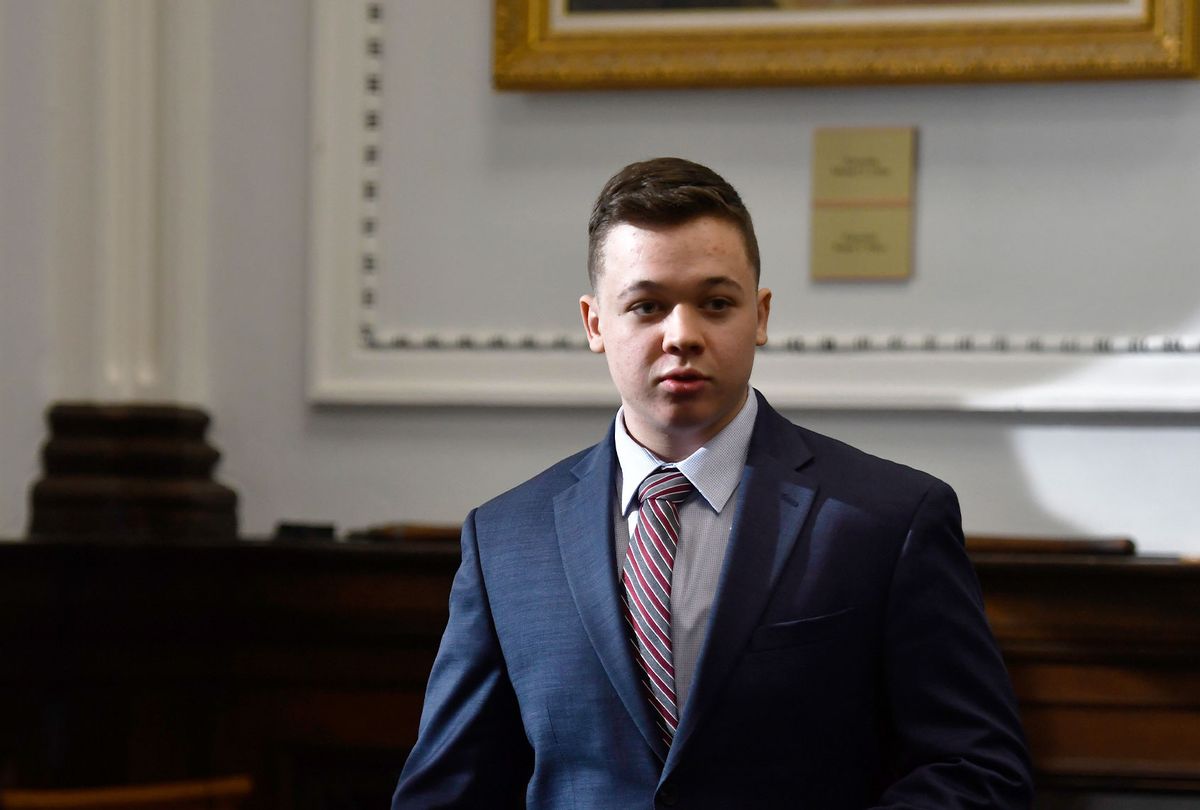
<point>548,45</point>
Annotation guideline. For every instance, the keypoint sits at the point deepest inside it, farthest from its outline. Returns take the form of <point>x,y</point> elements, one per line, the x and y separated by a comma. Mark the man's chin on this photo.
<point>685,421</point>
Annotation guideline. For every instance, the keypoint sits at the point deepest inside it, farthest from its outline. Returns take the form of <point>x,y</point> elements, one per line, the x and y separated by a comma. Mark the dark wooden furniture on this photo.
<point>1104,654</point>
<point>304,665</point>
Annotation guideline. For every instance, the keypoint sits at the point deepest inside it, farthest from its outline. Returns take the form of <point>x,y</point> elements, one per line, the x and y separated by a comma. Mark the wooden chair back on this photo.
<point>226,793</point>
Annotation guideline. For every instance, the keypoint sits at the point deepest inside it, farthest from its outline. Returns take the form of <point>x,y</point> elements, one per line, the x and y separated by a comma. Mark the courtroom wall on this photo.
<point>1007,159</point>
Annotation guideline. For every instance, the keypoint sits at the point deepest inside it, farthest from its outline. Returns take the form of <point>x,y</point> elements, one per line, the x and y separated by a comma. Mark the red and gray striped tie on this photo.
<point>647,579</point>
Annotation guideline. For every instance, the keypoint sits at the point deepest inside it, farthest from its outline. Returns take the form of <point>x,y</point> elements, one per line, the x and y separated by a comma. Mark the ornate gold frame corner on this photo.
<point>529,54</point>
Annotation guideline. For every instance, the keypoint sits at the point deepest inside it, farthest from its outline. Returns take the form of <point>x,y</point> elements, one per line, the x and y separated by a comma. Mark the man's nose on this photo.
<point>683,332</point>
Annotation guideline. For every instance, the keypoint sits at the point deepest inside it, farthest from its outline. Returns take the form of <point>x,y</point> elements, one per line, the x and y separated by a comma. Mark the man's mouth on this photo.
<point>683,381</point>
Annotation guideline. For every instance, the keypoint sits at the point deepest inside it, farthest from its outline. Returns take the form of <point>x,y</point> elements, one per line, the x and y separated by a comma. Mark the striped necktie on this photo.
<point>646,576</point>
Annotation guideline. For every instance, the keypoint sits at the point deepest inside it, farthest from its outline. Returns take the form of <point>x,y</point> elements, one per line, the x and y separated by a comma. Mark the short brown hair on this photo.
<point>663,192</point>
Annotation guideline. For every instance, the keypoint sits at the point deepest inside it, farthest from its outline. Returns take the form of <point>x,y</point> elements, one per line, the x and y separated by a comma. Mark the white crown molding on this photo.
<point>129,159</point>
<point>354,358</point>
<point>941,373</point>
<point>893,345</point>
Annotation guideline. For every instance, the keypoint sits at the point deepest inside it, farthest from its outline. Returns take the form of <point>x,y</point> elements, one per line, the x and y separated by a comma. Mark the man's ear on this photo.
<point>764,312</point>
<point>589,310</point>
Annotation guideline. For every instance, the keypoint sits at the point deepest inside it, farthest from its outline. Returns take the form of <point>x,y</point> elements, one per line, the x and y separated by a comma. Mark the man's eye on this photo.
<point>645,308</point>
<point>719,304</point>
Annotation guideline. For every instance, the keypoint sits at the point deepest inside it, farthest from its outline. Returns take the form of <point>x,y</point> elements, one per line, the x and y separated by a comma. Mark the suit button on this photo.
<point>668,794</point>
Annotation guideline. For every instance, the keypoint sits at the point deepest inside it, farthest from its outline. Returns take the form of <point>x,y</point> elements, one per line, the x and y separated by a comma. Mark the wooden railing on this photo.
<point>303,665</point>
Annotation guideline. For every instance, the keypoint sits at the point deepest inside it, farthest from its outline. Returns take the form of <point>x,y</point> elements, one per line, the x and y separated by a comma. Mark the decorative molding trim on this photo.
<point>371,159</point>
<point>811,344</point>
<point>355,359</point>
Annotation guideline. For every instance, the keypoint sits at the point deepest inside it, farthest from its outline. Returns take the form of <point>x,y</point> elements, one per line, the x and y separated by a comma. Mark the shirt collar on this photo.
<point>714,469</point>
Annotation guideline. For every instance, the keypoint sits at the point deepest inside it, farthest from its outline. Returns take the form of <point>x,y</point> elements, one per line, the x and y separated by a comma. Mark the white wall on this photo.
<point>24,245</point>
<point>1099,475</point>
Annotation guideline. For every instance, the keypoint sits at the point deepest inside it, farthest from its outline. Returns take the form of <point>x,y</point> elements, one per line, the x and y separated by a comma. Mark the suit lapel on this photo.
<point>773,500</point>
<point>583,516</point>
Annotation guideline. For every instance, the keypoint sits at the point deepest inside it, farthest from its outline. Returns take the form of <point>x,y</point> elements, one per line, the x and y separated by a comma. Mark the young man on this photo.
<point>712,607</point>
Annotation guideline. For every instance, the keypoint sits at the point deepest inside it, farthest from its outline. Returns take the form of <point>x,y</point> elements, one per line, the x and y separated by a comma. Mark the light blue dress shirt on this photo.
<point>705,522</point>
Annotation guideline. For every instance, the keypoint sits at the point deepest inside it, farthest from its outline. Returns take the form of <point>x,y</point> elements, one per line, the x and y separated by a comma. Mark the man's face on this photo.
<point>677,313</point>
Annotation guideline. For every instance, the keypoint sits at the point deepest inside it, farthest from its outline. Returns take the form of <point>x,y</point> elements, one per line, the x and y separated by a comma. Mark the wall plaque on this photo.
<point>862,204</point>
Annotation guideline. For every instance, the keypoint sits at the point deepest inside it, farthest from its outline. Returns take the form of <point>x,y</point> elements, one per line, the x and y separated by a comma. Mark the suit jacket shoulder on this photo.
<point>887,489</point>
<point>533,500</point>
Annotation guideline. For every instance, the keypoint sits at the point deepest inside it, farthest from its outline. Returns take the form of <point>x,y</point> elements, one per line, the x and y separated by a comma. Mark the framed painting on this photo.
<point>596,44</point>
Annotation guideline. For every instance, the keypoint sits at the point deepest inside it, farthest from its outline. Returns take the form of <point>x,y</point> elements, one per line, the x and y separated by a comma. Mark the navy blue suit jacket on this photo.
<point>848,663</point>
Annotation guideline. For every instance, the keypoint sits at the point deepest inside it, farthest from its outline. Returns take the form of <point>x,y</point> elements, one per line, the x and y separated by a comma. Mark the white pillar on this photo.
<point>129,199</point>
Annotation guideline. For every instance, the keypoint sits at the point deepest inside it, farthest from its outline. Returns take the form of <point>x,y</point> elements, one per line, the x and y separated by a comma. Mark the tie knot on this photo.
<point>665,484</point>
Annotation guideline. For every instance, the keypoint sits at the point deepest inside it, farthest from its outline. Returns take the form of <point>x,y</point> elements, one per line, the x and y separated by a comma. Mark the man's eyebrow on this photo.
<point>642,286</point>
<point>645,285</point>
<point>721,281</point>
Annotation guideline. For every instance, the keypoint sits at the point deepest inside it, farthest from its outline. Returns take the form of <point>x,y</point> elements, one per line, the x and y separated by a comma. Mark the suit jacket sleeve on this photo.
<point>471,749</point>
<point>957,737</point>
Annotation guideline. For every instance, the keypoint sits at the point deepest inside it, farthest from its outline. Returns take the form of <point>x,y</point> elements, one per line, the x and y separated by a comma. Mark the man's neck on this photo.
<point>672,447</point>
<point>676,445</point>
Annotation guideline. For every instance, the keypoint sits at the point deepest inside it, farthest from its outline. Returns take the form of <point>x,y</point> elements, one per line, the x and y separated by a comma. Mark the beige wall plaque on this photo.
<point>862,204</point>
